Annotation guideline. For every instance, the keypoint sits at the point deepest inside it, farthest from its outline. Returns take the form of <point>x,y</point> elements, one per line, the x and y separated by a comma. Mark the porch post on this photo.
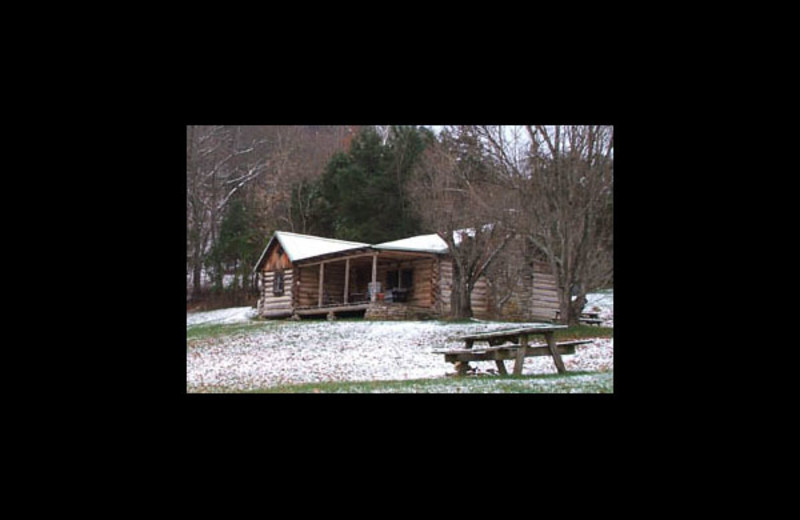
<point>374,295</point>
<point>321,279</point>
<point>399,276</point>
<point>346,279</point>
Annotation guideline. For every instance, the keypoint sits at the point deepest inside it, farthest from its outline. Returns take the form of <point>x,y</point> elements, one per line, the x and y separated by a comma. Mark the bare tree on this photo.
<point>458,196</point>
<point>220,162</point>
<point>507,278</point>
<point>567,185</point>
<point>311,149</point>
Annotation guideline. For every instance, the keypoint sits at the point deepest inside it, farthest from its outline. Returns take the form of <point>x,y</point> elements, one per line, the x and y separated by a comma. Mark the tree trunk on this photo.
<point>564,307</point>
<point>570,311</point>
<point>196,273</point>
<point>576,308</point>
<point>460,298</point>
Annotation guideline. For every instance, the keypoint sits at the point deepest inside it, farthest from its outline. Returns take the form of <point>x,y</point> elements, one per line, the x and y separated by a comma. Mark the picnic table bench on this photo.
<point>590,317</point>
<point>498,352</point>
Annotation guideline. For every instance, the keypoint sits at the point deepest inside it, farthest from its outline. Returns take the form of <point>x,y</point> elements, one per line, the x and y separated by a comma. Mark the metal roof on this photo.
<point>302,247</point>
<point>422,243</point>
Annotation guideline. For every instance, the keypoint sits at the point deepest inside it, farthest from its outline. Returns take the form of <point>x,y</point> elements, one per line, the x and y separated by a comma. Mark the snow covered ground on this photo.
<point>285,352</point>
<point>303,352</point>
<point>232,315</point>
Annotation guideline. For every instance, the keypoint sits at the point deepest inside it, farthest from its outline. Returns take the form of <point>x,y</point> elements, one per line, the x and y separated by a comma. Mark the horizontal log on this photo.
<point>276,314</point>
<point>277,299</point>
<point>275,308</point>
<point>270,278</point>
<point>545,311</point>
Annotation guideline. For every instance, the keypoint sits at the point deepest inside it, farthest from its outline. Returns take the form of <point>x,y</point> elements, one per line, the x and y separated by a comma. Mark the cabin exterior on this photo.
<point>303,275</point>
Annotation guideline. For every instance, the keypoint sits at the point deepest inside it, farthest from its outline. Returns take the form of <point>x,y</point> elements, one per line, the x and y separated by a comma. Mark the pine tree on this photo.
<point>237,247</point>
<point>362,195</point>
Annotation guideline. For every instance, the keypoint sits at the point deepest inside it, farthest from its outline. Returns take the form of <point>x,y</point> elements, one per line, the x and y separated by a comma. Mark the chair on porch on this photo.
<point>370,288</point>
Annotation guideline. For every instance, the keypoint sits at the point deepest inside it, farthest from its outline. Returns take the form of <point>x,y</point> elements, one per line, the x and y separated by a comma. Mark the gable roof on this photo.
<point>302,247</point>
<point>421,243</point>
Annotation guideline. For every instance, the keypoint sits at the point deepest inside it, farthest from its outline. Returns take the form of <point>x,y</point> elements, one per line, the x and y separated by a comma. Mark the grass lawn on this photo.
<point>573,382</point>
<point>217,330</point>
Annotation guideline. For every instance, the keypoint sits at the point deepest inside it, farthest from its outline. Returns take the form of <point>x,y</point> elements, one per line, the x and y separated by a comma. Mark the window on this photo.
<point>403,278</point>
<point>407,276</point>
<point>391,279</point>
<point>277,283</point>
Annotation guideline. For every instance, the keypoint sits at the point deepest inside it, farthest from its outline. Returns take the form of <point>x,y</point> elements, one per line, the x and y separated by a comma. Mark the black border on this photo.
<point>477,106</point>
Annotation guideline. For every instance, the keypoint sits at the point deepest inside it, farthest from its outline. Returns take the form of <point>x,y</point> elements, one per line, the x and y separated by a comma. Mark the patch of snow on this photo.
<point>459,234</point>
<point>206,281</point>
<point>603,303</point>
<point>221,316</point>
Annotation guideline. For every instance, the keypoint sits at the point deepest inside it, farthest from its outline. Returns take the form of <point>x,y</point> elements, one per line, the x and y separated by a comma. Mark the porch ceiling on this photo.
<point>364,256</point>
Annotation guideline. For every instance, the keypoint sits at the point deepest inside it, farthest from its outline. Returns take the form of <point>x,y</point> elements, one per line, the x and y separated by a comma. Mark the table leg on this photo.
<point>523,347</point>
<point>501,366</point>
<point>551,346</point>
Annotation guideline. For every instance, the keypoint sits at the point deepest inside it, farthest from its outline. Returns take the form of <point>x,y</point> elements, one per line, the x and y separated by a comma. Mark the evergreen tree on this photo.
<point>237,247</point>
<point>362,194</point>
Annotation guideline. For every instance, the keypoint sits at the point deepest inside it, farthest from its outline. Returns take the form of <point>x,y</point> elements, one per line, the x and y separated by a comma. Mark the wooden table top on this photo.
<point>524,331</point>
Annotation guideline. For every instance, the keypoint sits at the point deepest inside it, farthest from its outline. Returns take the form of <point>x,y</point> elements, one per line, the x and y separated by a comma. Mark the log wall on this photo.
<point>535,298</point>
<point>480,298</point>
<point>421,294</point>
<point>518,305</point>
<point>270,305</point>
<point>544,299</point>
<point>307,286</point>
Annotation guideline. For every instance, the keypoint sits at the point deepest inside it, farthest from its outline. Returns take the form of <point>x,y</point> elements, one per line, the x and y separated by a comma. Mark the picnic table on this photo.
<point>498,352</point>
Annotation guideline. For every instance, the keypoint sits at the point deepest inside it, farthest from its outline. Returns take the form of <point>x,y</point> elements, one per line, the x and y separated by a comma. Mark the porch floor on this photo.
<point>333,307</point>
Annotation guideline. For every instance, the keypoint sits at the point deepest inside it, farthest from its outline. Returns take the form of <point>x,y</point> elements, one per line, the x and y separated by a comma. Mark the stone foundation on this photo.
<point>398,312</point>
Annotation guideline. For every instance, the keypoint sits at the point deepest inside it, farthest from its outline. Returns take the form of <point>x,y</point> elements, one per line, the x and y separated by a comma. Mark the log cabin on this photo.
<point>304,275</point>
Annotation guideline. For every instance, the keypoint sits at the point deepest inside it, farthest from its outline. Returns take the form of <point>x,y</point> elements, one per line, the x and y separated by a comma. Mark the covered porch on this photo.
<point>355,281</point>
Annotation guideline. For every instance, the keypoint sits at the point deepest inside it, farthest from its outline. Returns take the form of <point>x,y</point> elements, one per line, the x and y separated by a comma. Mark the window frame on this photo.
<point>278,279</point>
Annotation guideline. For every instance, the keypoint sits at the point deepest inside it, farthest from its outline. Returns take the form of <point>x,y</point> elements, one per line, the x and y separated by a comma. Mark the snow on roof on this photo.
<point>300,247</point>
<point>422,243</point>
